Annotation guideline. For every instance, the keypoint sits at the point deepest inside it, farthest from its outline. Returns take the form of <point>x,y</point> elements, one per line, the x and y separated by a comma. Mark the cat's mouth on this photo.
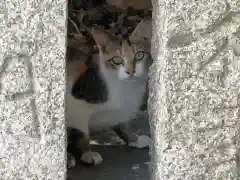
<point>132,79</point>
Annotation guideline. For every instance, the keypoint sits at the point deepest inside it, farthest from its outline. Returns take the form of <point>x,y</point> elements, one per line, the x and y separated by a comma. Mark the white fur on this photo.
<point>141,142</point>
<point>125,98</point>
<point>122,75</point>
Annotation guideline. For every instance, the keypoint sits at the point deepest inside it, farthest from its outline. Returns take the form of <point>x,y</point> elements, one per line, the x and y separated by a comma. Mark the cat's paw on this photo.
<point>93,158</point>
<point>71,162</point>
<point>141,142</point>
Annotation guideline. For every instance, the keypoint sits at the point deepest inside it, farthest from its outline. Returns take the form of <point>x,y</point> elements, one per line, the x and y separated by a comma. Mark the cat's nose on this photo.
<point>130,73</point>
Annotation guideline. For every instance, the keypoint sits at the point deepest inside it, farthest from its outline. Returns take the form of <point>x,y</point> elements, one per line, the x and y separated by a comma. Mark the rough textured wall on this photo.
<point>32,54</point>
<point>194,90</point>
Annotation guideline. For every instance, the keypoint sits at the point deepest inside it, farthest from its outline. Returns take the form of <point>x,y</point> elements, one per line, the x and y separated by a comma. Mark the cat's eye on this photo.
<point>117,60</point>
<point>139,55</point>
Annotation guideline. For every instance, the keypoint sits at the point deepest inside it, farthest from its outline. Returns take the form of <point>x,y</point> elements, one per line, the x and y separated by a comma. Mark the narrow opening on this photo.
<point>108,58</point>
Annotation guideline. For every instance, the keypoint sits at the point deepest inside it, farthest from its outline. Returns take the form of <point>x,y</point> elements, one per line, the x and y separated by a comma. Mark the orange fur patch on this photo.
<point>75,68</point>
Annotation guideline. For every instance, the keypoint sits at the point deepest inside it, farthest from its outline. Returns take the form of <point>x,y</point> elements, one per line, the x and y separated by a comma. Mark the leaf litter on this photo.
<point>84,14</point>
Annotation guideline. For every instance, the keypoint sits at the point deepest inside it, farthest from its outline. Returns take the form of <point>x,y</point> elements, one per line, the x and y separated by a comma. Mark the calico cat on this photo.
<point>119,77</point>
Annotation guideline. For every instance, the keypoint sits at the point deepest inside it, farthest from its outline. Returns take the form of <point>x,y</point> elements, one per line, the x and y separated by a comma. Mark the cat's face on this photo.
<point>127,59</point>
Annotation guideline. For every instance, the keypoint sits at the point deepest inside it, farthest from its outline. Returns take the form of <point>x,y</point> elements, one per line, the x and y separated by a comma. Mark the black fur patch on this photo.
<point>77,144</point>
<point>73,137</point>
<point>90,86</point>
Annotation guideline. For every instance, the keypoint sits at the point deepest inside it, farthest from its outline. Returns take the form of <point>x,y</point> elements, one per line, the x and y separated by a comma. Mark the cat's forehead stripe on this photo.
<point>127,47</point>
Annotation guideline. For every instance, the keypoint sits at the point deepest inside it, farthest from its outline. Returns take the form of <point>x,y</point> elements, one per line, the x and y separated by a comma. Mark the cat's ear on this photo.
<point>101,37</point>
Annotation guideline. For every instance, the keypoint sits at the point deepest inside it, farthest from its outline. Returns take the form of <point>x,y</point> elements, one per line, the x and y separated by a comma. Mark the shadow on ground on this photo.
<point>120,163</point>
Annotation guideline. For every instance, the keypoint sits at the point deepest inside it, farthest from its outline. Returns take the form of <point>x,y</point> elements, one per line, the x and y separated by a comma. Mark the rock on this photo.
<point>143,30</point>
<point>124,4</point>
<point>194,90</point>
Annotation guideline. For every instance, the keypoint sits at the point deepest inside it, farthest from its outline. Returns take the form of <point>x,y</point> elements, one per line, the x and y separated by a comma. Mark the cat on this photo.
<point>119,77</point>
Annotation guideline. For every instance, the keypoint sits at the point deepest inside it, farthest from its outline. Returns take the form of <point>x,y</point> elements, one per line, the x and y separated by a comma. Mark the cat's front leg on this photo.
<point>87,155</point>
<point>80,148</point>
<point>132,139</point>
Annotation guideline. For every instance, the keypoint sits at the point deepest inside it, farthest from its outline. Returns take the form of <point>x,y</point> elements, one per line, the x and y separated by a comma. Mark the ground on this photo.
<point>120,163</point>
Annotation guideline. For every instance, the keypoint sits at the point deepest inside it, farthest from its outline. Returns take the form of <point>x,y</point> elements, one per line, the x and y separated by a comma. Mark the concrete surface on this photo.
<point>194,90</point>
<point>32,84</point>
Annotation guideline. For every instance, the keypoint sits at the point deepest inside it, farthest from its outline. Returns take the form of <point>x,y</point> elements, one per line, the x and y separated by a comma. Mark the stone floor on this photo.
<point>120,162</point>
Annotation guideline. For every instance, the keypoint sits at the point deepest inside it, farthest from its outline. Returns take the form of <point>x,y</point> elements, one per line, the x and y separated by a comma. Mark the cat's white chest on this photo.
<point>122,94</point>
<point>124,100</point>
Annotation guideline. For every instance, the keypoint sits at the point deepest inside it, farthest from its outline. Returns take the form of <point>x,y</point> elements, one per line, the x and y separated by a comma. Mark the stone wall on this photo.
<point>194,106</point>
<point>32,55</point>
<point>194,90</point>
